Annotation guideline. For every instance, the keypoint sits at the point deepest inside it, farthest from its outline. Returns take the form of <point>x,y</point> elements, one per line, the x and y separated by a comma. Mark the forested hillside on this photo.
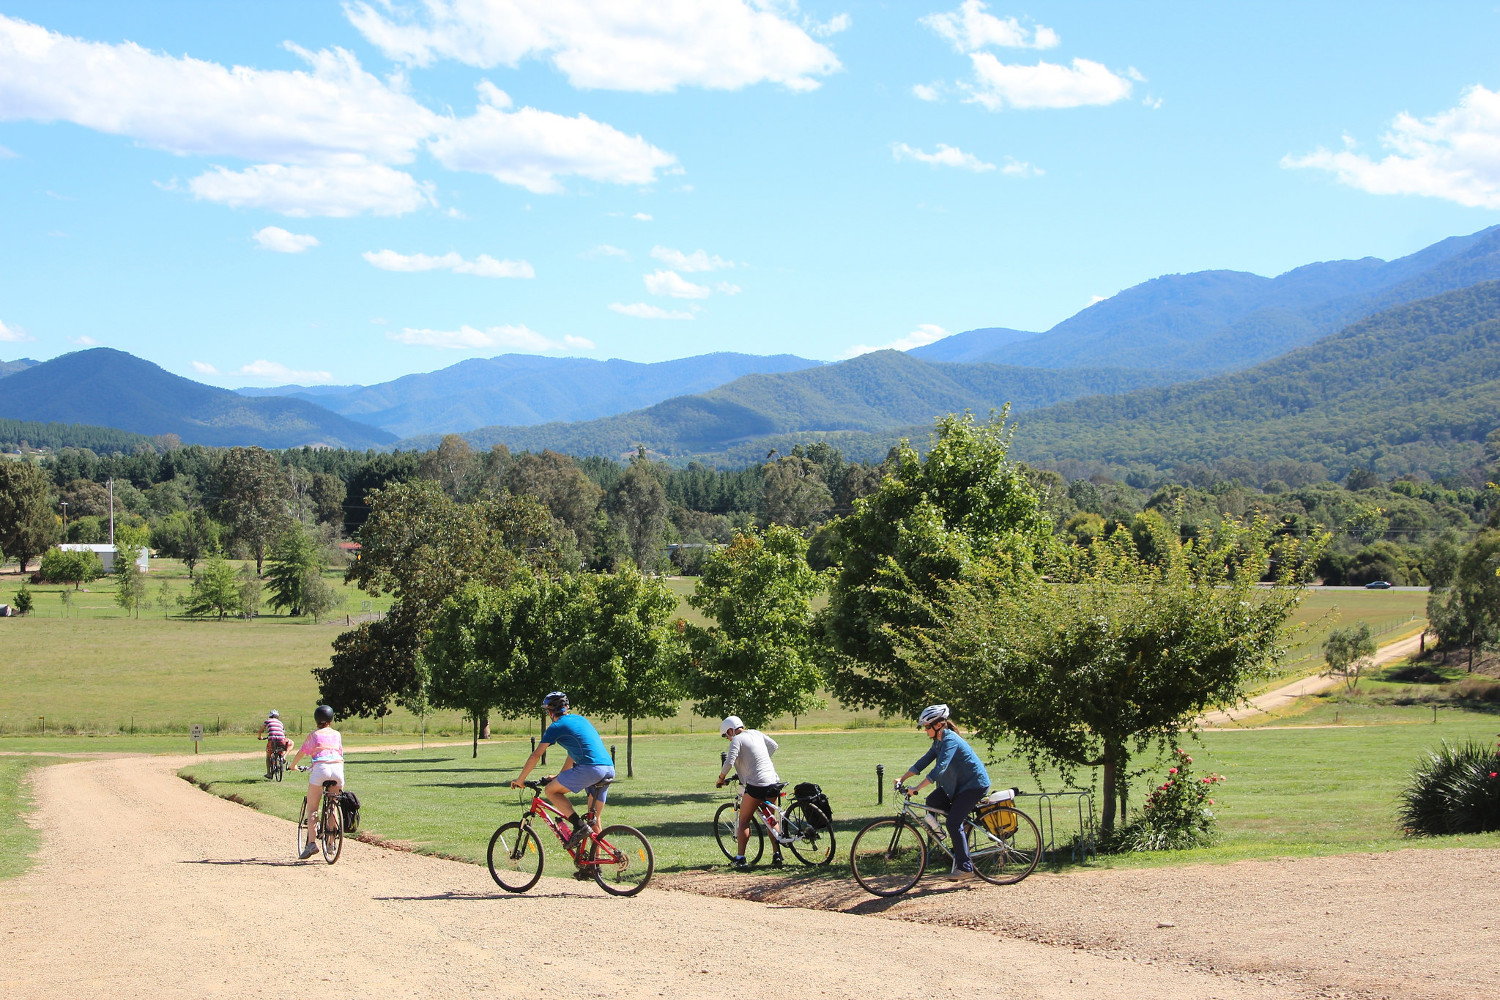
<point>110,388</point>
<point>1414,389</point>
<point>17,434</point>
<point>872,393</point>
<point>18,365</point>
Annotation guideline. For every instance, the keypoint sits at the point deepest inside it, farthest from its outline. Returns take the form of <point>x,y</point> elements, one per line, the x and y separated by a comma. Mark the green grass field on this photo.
<point>99,671</point>
<point>1290,792</point>
<point>18,841</point>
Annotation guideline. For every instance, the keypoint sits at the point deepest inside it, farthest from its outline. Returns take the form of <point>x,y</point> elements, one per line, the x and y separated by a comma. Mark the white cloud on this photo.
<point>927,91</point>
<point>643,310</point>
<point>605,250</point>
<point>203,368</point>
<point>725,288</point>
<point>641,217</point>
<point>468,338</point>
<point>925,333</point>
<point>11,335</point>
<point>8,154</point>
<point>1019,168</point>
<point>1000,85</point>
<point>278,239</point>
<point>673,284</point>
<point>640,45</point>
<point>532,148</point>
<point>327,140</point>
<point>1094,300</point>
<point>945,156</point>
<point>833,26</point>
<point>483,266</point>
<point>698,260</point>
<point>275,371</point>
<point>84,340</point>
<point>1453,155</point>
<point>970,28</point>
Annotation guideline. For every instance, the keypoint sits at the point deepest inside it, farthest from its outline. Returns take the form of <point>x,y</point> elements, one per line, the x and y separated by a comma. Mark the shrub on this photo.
<point>1452,790</point>
<point>1178,813</point>
<point>23,600</point>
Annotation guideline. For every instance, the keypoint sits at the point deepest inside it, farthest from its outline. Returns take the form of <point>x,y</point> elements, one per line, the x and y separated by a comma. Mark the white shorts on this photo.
<point>326,772</point>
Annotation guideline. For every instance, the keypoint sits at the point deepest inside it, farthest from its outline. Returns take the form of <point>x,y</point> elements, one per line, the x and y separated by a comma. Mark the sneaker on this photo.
<point>584,874</point>
<point>308,851</point>
<point>962,875</point>
<point>576,837</point>
<point>738,862</point>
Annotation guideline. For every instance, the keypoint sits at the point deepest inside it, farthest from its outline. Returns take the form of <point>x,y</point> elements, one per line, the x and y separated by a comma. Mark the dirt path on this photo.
<point>148,887</point>
<point>1280,698</point>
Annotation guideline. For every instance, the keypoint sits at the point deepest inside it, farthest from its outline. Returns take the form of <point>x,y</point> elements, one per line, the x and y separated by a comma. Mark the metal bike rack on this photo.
<point>1086,845</point>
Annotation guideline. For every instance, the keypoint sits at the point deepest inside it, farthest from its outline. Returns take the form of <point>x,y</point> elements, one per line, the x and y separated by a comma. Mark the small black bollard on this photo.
<point>611,753</point>
<point>879,784</point>
<point>723,757</point>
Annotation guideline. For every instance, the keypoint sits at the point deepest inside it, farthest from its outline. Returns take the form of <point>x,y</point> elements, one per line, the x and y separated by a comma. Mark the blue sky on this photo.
<point>253,194</point>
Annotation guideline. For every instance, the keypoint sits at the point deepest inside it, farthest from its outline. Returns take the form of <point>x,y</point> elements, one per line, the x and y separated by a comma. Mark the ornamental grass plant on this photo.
<point>1453,789</point>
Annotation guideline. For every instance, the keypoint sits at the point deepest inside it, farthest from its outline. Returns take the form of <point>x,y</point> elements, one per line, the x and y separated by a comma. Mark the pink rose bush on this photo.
<point>1176,814</point>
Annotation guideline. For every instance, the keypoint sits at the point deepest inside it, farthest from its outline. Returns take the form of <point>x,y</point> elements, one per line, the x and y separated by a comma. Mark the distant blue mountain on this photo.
<point>109,388</point>
<point>973,345</point>
<point>524,389</point>
<point>18,365</point>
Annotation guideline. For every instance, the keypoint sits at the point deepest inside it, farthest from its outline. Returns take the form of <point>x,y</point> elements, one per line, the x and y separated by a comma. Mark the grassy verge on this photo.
<point>1290,792</point>
<point>18,842</point>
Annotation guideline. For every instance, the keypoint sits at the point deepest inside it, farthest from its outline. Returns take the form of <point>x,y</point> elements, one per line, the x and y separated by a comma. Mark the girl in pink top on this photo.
<point>325,747</point>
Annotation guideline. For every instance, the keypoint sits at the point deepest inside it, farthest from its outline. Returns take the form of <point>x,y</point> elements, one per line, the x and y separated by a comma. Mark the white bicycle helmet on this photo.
<point>931,714</point>
<point>733,722</point>
<point>274,714</point>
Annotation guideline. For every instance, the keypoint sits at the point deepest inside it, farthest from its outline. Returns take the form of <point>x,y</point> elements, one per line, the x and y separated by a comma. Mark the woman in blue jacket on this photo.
<point>960,778</point>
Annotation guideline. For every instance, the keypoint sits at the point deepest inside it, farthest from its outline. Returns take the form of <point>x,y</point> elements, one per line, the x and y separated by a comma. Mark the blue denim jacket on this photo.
<point>957,766</point>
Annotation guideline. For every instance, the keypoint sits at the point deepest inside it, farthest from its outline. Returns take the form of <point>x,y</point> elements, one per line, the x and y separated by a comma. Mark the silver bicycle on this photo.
<point>890,855</point>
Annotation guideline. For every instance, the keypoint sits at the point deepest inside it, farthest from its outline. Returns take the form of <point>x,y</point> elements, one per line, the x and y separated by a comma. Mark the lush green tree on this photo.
<point>1123,653</point>
<point>758,660</point>
<point>930,519</point>
<point>130,582</point>
<point>452,465</point>
<point>75,567</point>
<point>557,482</point>
<point>27,523</point>
<point>639,504</point>
<point>23,602</point>
<point>626,659</point>
<point>186,535</point>
<point>253,499</point>
<point>294,559</point>
<point>216,591</point>
<point>1467,614</point>
<point>326,497</point>
<point>165,599</point>
<point>795,494</point>
<point>318,595</point>
<point>250,592</point>
<point>1348,652</point>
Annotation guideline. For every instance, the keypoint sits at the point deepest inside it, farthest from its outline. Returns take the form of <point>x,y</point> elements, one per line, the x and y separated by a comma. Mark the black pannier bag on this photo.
<point>349,806</point>
<point>812,795</point>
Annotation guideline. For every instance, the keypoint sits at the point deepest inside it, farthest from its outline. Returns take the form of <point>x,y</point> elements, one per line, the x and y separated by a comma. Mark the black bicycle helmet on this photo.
<point>322,714</point>
<point>555,702</point>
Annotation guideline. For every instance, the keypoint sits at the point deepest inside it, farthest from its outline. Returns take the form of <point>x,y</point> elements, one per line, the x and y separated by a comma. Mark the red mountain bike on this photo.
<point>618,857</point>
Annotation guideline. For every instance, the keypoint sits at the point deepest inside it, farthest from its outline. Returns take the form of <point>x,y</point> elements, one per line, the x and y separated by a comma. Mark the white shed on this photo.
<point>106,554</point>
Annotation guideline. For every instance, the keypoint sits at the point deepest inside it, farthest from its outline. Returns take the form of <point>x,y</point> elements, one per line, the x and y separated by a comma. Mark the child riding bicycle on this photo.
<point>326,748</point>
<point>274,733</point>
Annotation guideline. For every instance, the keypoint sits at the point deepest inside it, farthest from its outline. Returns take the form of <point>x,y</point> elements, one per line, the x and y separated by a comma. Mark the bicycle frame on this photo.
<point>909,810</point>
<point>551,816</point>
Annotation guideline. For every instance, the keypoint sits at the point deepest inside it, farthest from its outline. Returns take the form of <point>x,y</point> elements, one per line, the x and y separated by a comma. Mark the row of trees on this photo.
<point>946,583</point>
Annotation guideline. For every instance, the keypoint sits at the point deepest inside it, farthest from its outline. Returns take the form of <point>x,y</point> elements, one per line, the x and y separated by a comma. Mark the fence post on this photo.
<point>879,784</point>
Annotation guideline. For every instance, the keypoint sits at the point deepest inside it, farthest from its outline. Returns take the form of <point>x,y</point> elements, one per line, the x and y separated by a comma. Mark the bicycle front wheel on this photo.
<point>725,823</point>
<point>1004,858</point>
<point>888,856</point>
<point>622,860</point>
<point>515,857</point>
<point>333,829</point>
<point>810,833</point>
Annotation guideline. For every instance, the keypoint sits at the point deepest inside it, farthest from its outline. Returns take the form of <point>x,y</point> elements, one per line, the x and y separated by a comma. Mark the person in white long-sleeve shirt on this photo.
<point>750,755</point>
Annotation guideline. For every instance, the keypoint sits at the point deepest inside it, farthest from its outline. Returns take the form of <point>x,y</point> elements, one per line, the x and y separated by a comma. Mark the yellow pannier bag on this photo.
<point>997,812</point>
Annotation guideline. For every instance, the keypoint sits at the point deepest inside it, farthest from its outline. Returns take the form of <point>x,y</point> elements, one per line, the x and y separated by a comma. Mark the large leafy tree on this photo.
<point>75,567</point>
<point>421,546</point>
<point>216,591</point>
<point>189,535</point>
<point>1467,613</point>
<point>638,503</point>
<point>295,561</point>
<point>625,661</point>
<point>27,524</point>
<point>758,660</point>
<point>928,522</point>
<point>795,493</point>
<point>1123,652</point>
<point>253,498</point>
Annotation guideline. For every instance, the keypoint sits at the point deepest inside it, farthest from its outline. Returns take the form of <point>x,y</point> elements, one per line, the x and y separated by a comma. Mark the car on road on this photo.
<point>1378,585</point>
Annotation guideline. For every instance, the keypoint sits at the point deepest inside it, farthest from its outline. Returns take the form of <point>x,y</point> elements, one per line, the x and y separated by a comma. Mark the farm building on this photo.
<point>106,554</point>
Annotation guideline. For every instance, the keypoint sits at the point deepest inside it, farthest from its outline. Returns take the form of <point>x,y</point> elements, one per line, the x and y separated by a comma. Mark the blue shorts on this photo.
<point>590,776</point>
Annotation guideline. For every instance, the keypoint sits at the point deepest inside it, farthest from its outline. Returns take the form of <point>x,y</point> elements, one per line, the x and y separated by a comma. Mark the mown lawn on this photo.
<point>1290,792</point>
<point>18,842</point>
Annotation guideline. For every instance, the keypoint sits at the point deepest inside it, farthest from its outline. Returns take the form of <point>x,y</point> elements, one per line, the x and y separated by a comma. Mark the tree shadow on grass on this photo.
<point>462,784</point>
<point>264,862</point>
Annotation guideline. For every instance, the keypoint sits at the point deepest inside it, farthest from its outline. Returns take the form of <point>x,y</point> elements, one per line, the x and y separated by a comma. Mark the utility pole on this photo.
<point>111,510</point>
<point>65,517</point>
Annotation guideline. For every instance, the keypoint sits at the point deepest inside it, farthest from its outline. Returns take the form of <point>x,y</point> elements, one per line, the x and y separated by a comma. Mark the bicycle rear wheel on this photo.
<point>515,857</point>
<point>622,860</point>
<point>888,856</point>
<point>1004,859</point>
<point>725,821</point>
<point>810,833</point>
<point>332,828</point>
<point>278,766</point>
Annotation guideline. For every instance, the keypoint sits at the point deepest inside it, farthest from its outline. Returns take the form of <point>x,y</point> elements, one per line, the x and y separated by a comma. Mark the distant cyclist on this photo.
<point>274,733</point>
<point>588,765</point>
<point>960,778</point>
<point>749,754</point>
<point>326,748</point>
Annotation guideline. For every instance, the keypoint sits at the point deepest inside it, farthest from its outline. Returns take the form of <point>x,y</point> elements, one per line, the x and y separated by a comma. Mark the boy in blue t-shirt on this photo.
<point>588,765</point>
